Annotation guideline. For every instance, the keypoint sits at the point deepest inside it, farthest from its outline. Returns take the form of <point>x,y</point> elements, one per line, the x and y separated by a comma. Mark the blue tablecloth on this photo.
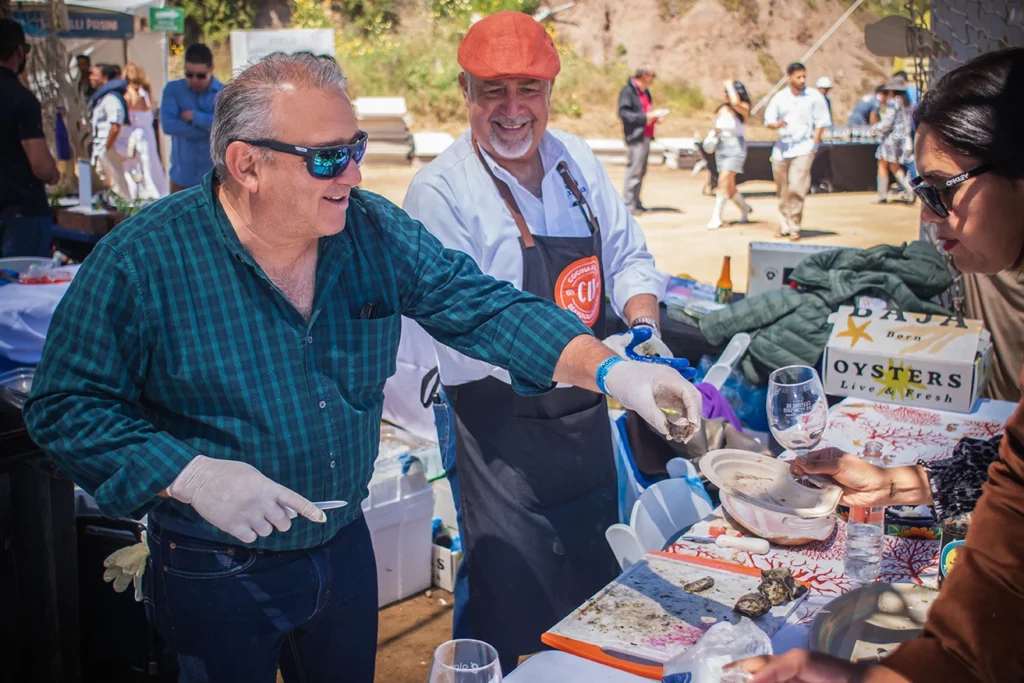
<point>25,313</point>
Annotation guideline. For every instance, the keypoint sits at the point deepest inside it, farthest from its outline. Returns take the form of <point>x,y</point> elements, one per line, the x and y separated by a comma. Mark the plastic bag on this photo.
<point>722,644</point>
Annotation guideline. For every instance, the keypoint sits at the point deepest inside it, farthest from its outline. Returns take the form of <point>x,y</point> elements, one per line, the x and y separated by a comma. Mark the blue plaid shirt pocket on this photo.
<point>362,355</point>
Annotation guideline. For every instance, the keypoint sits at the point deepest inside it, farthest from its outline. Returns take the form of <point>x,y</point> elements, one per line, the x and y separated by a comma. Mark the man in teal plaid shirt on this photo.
<point>219,363</point>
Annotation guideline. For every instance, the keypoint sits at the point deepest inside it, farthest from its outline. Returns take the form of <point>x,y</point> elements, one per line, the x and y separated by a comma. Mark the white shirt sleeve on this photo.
<point>434,205</point>
<point>771,112</point>
<point>629,268</point>
<point>819,113</point>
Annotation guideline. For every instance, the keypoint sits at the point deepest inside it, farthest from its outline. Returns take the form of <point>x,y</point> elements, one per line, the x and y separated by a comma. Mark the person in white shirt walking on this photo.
<point>110,126</point>
<point>536,475</point>
<point>801,116</point>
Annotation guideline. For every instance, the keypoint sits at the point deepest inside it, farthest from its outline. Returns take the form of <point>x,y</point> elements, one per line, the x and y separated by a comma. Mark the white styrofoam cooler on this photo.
<point>399,512</point>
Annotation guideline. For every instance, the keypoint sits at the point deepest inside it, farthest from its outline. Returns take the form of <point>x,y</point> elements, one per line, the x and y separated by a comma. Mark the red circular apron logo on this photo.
<point>578,289</point>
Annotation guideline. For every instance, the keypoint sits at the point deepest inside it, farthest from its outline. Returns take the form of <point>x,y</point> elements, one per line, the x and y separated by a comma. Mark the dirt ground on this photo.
<point>675,228</point>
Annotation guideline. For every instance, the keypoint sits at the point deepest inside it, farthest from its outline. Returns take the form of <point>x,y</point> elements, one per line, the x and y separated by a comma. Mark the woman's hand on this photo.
<point>865,484</point>
<point>801,666</point>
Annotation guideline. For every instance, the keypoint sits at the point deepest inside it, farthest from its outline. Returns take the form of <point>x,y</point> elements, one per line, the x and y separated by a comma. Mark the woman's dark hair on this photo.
<point>977,110</point>
<point>902,94</point>
<point>741,91</point>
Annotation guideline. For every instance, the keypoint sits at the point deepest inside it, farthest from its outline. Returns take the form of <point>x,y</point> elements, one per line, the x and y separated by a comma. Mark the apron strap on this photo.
<point>570,182</point>
<point>510,202</point>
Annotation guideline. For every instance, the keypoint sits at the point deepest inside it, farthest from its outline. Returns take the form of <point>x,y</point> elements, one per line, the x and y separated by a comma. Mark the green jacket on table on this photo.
<point>790,327</point>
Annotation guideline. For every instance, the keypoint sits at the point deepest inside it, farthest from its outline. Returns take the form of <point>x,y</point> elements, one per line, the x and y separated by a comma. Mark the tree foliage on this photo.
<point>213,20</point>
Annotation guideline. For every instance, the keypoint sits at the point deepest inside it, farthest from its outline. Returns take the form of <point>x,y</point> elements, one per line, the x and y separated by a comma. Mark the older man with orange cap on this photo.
<point>536,476</point>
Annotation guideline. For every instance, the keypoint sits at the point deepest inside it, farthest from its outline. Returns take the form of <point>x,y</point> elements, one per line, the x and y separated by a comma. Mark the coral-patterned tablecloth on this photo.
<point>907,435</point>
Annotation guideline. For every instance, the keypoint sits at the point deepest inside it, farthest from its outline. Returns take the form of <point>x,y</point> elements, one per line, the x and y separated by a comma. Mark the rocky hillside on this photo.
<point>706,41</point>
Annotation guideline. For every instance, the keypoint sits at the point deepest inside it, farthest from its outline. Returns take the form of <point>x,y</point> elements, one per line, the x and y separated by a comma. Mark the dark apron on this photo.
<point>537,474</point>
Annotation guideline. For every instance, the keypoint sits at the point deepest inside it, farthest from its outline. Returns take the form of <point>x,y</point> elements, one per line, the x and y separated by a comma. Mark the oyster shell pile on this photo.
<point>777,587</point>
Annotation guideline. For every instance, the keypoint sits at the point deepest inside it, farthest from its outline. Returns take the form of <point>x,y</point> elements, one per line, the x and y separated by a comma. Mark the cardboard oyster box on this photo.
<point>913,359</point>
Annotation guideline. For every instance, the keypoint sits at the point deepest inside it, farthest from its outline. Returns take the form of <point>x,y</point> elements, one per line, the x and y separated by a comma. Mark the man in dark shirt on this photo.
<point>84,67</point>
<point>25,160</point>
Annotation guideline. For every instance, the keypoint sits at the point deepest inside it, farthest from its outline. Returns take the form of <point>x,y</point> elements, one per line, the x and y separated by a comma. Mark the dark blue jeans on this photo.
<point>444,420</point>
<point>25,236</point>
<point>233,614</point>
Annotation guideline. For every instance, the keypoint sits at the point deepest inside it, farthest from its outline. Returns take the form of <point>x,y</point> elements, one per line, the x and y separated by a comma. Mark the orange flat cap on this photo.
<point>509,45</point>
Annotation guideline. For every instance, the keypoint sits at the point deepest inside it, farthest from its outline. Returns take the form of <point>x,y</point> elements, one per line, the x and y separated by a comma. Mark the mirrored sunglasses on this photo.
<point>322,163</point>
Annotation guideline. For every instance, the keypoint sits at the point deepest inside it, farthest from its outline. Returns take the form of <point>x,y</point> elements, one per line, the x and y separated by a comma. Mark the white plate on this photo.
<point>767,483</point>
<point>871,621</point>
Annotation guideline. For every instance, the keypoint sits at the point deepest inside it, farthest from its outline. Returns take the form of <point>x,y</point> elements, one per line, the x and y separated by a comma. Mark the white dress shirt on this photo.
<point>108,111</point>
<point>802,113</point>
<point>456,200</point>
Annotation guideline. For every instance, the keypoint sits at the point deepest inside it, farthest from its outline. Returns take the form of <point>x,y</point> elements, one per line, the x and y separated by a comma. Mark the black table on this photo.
<point>838,167</point>
<point>39,609</point>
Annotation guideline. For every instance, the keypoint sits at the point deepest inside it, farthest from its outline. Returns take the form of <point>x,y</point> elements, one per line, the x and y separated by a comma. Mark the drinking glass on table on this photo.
<point>465,661</point>
<point>797,408</point>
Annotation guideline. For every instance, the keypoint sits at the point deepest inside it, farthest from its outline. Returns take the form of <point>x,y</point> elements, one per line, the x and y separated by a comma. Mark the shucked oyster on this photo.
<point>777,585</point>
<point>752,605</point>
<point>699,585</point>
<point>777,592</point>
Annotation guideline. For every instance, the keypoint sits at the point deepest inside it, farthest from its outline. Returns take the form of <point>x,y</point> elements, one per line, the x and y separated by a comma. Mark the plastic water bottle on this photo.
<point>865,532</point>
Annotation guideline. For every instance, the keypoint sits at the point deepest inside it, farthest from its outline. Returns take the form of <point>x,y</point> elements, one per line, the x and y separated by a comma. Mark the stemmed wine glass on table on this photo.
<point>797,408</point>
<point>465,661</point>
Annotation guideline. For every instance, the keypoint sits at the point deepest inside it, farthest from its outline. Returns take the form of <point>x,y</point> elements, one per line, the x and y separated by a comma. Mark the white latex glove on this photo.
<point>126,566</point>
<point>236,498</point>
<point>649,387</point>
<point>653,347</point>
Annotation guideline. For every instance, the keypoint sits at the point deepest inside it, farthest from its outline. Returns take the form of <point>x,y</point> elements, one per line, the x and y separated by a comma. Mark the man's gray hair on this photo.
<point>244,108</point>
<point>643,70</point>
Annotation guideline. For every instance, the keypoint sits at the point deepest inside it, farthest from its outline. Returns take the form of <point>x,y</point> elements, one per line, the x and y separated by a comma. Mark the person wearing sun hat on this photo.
<point>534,477</point>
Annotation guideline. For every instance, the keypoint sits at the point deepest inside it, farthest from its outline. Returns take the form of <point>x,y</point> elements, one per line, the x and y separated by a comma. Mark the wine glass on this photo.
<point>465,661</point>
<point>797,408</point>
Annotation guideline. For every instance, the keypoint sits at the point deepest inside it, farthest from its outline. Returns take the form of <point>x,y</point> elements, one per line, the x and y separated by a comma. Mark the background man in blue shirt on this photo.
<point>186,114</point>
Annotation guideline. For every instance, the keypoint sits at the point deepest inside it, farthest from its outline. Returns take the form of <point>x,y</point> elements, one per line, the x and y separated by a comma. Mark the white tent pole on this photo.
<point>803,60</point>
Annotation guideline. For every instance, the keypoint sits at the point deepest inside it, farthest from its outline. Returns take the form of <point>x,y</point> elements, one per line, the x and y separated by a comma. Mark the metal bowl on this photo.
<point>15,386</point>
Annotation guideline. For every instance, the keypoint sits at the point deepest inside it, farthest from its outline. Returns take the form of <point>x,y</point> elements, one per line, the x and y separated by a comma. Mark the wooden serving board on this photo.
<point>644,617</point>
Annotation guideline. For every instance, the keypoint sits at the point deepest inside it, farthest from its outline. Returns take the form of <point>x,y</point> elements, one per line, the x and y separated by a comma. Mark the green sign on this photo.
<point>167,19</point>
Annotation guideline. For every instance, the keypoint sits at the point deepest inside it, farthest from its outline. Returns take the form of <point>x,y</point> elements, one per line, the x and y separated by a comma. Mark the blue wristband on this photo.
<point>602,372</point>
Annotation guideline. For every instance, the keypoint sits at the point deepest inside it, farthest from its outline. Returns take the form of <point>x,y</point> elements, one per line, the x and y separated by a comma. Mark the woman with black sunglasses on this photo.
<point>970,151</point>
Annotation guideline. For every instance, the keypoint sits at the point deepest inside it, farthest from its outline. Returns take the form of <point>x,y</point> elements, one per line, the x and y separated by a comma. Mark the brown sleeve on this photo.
<point>972,632</point>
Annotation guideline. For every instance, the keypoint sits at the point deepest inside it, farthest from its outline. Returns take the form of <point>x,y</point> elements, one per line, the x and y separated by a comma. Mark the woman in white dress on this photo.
<point>148,172</point>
